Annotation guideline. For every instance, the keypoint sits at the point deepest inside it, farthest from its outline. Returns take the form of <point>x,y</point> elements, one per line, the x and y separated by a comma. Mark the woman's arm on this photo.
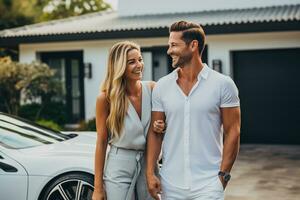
<point>102,108</point>
<point>159,126</point>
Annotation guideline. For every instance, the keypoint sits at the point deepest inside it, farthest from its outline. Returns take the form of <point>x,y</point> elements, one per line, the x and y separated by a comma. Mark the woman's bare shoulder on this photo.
<point>102,99</point>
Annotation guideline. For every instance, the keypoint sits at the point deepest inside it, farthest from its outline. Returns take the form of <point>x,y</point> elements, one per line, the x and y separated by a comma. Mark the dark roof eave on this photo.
<point>12,41</point>
<point>154,32</point>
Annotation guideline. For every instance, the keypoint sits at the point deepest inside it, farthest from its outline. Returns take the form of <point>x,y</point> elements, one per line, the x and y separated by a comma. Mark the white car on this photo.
<point>37,163</point>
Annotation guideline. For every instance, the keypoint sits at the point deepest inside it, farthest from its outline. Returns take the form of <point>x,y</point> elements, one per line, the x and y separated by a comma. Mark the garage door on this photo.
<point>269,85</point>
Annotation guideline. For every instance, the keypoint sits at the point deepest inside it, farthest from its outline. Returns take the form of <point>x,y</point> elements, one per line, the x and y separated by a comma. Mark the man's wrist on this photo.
<point>225,176</point>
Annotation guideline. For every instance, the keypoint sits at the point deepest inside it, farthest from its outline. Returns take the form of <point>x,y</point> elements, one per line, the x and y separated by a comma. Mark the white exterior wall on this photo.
<point>219,47</point>
<point>94,52</point>
<point>144,7</point>
<point>147,57</point>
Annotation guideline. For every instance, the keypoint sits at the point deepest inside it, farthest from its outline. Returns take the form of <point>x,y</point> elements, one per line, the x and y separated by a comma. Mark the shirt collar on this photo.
<point>203,73</point>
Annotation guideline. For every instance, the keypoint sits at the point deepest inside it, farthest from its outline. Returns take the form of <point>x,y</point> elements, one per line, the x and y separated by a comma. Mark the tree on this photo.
<point>24,81</point>
<point>14,13</point>
<point>58,9</point>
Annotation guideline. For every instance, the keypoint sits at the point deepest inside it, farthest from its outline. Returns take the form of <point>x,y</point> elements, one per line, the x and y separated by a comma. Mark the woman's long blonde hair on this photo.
<point>114,86</point>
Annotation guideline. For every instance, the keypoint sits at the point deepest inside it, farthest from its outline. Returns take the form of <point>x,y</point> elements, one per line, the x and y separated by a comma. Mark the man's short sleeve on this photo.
<point>156,99</point>
<point>229,94</point>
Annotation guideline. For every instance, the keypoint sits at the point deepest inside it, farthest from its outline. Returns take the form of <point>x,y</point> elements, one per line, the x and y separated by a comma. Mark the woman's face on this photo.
<point>135,65</point>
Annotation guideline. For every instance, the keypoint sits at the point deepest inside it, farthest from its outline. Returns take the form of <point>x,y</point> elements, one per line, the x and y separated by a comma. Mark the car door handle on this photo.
<point>7,168</point>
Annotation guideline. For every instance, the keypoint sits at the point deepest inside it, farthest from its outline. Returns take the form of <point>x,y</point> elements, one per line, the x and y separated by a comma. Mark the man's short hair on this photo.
<point>190,31</point>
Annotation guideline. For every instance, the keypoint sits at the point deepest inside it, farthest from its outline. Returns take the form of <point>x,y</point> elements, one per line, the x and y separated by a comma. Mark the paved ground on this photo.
<point>270,172</point>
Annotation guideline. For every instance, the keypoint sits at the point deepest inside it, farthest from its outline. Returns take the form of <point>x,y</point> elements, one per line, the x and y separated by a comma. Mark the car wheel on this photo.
<point>75,186</point>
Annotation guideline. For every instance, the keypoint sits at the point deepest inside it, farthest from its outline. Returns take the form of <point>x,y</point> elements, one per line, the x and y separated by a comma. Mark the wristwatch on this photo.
<point>226,175</point>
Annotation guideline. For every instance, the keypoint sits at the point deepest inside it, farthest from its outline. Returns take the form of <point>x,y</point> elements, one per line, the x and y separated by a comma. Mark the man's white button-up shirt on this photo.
<point>193,142</point>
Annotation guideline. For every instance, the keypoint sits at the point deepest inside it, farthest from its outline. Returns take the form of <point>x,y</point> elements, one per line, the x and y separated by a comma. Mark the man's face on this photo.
<point>179,51</point>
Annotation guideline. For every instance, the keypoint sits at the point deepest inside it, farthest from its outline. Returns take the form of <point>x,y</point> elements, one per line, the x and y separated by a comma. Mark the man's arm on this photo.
<point>154,142</point>
<point>231,118</point>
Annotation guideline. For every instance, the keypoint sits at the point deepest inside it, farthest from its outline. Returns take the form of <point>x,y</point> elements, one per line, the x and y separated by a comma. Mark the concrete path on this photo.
<point>266,172</point>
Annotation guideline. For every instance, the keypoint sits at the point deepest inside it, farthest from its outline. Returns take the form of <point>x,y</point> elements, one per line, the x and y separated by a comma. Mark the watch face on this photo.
<point>227,177</point>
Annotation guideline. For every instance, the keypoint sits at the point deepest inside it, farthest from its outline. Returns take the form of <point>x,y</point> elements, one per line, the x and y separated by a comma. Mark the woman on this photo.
<point>123,111</point>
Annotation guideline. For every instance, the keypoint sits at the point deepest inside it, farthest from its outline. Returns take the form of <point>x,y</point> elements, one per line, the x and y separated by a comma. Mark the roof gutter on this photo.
<point>151,33</point>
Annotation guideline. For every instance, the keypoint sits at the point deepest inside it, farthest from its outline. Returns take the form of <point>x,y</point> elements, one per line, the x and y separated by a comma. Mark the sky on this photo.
<point>113,3</point>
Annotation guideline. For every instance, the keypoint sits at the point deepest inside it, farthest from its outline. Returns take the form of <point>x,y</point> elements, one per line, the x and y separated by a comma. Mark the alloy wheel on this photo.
<point>72,189</point>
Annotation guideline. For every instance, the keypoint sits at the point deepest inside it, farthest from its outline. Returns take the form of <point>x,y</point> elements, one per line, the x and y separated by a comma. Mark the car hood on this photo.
<point>47,160</point>
<point>84,143</point>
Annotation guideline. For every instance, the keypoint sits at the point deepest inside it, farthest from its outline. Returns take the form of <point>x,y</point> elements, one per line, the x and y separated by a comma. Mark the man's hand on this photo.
<point>223,182</point>
<point>154,186</point>
<point>154,142</point>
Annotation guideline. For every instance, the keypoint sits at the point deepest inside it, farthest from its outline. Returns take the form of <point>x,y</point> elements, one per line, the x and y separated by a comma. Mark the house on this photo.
<point>255,42</point>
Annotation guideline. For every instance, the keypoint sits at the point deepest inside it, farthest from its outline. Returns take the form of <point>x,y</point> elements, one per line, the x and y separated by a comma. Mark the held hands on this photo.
<point>159,126</point>
<point>154,186</point>
<point>99,195</point>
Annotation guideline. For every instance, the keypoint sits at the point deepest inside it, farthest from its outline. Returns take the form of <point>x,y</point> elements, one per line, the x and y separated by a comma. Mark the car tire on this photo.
<point>77,186</point>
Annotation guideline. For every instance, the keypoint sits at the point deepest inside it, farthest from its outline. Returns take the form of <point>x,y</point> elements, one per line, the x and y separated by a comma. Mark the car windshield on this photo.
<point>17,133</point>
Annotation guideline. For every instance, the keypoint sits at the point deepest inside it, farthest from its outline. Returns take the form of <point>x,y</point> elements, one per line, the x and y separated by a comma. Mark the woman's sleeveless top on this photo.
<point>135,129</point>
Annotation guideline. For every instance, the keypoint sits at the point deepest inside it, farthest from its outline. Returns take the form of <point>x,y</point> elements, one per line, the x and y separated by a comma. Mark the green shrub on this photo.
<point>90,125</point>
<point>31,80</point>
<point>2,102</point>
<point>53,111</point>
<point>30,111</point>
<point>49,124</point>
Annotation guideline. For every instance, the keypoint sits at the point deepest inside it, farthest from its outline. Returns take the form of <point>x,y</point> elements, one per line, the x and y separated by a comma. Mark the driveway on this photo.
<point>270,172</point>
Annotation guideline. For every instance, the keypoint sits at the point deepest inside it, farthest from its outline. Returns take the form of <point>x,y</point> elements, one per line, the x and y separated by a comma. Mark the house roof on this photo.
<point>110,22</point>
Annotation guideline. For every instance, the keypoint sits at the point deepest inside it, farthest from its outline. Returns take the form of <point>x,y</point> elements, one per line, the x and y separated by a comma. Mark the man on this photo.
<point>198,105</point>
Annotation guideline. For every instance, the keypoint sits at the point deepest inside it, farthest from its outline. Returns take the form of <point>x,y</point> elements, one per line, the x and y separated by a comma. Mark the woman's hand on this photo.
<point>99,195</point>
<point>159,126</point>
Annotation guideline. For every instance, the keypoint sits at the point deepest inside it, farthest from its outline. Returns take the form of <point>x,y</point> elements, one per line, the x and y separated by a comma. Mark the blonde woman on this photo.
<point>123,111</point>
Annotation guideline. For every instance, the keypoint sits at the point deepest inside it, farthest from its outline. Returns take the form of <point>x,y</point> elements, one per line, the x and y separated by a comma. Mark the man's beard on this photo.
<point>182,61</point>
